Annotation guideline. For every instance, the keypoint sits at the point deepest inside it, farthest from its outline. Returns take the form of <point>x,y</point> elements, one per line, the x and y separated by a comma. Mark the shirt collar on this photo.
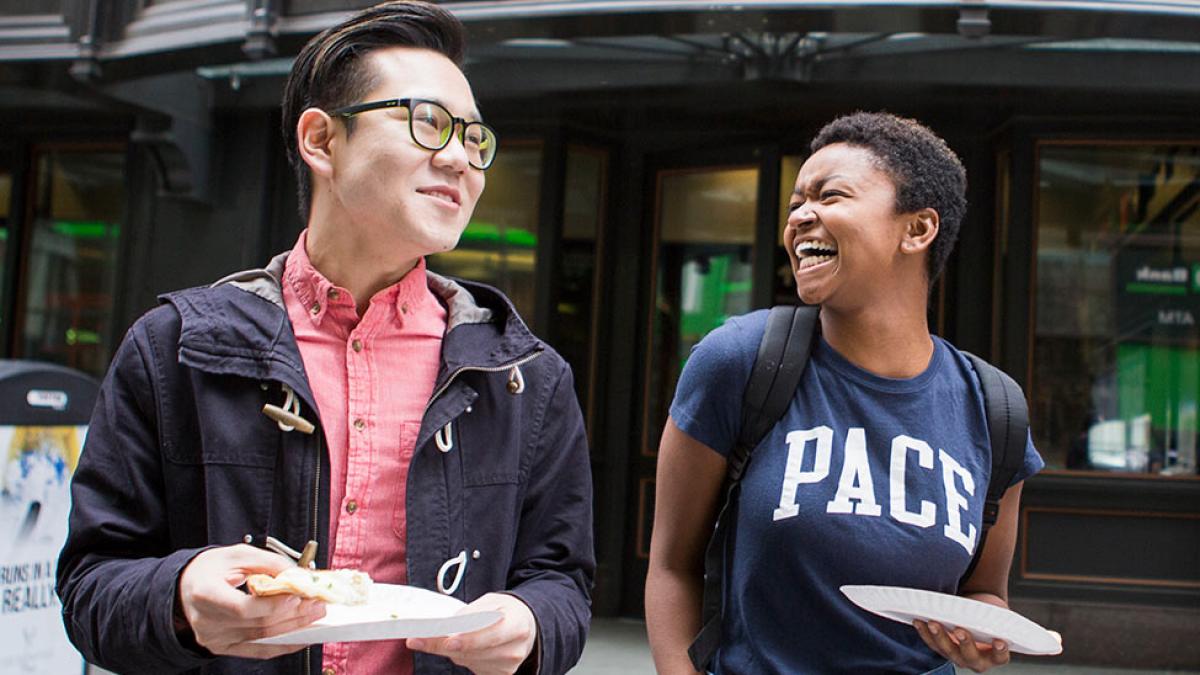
<point>324,300</point>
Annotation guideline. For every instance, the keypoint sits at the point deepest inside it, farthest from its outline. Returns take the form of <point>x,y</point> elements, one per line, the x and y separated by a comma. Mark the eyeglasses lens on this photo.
<point>433,124</point>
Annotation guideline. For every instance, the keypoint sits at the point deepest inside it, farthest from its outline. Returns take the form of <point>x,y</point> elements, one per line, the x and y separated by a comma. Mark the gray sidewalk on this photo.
<point>618,647</point>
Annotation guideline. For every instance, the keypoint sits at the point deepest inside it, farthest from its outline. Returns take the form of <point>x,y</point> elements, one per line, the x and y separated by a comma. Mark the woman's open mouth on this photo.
<point>811,253</point>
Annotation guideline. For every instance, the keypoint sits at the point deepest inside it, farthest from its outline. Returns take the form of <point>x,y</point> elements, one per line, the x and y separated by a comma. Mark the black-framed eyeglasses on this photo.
<point>431,127</point>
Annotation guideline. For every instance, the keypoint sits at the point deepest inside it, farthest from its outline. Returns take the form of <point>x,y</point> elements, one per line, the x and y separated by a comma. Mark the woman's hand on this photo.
<point>960,647</point>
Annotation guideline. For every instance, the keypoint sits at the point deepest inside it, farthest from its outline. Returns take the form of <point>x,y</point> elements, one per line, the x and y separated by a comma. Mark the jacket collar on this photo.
<point>239,326</point>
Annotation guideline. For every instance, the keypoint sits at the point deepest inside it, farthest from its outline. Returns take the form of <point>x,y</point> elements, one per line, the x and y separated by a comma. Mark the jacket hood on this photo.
<point>239,325</point>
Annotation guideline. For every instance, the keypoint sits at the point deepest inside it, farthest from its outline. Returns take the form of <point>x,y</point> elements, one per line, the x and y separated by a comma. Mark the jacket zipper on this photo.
<point>481,369</point>
<point>315,528</point>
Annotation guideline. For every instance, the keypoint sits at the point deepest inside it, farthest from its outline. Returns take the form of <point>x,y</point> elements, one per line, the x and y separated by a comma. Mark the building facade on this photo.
<point>648,148</point>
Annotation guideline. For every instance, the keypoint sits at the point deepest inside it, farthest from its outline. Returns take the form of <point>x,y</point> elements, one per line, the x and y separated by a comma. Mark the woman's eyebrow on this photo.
<point>817,184</point>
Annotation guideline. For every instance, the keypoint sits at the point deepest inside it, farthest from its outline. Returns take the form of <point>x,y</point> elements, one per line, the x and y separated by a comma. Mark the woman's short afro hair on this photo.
<point>925,171</point>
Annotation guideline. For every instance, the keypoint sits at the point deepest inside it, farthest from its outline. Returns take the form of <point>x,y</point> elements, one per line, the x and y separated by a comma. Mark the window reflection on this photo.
<point>703,271</point>
<point>70,264</point>
<point>1117,351</point>
<point>499,246</point>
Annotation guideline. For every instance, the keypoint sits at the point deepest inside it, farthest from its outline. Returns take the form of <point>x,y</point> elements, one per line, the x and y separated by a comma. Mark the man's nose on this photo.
<point>454,154</point>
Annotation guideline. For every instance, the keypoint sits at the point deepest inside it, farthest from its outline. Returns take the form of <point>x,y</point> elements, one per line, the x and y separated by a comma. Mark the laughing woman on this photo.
<point>875,213</point>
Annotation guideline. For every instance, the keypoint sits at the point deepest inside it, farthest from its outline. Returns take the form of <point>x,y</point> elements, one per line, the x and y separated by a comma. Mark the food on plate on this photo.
<point>345,587</point>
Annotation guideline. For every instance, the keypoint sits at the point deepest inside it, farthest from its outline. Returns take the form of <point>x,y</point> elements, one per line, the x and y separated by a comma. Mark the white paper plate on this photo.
<point>392,612</point>
<point>985,622</point>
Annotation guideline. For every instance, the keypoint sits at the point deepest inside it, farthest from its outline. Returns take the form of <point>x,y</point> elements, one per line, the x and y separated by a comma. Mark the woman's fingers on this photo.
<point>960,648</point>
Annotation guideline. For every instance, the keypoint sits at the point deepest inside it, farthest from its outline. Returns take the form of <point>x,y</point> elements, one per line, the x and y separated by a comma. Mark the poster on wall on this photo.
<point>44,411</point>
<point>1158,297</point>
<point>34,502</point>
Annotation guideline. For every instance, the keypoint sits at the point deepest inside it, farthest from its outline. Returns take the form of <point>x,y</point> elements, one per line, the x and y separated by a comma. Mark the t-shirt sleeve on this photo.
<point>1033,462</point>
<point>708,397</point>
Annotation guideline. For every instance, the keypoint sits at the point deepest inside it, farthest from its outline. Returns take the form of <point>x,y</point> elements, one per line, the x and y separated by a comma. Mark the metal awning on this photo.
<point>124,31</point>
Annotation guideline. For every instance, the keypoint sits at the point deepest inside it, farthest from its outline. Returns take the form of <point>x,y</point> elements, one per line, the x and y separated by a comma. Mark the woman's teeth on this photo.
<point>812,253</point>
<point>812,260</point>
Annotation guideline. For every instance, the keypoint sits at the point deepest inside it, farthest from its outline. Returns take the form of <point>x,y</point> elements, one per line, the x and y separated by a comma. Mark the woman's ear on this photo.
<point>315,132</point>
<point>921,231</point>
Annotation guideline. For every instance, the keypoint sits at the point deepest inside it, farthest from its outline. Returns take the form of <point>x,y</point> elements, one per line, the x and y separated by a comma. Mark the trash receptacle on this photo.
<point>44,412</point>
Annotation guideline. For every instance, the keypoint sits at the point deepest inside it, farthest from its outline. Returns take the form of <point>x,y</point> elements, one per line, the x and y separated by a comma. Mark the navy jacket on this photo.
<point>180,457</point>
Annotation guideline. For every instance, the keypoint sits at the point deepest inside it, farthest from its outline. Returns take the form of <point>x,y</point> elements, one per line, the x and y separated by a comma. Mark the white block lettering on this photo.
<point>793,475</point>
<point>901,445</point>
<point>956,503</point>
<point>855,484</point>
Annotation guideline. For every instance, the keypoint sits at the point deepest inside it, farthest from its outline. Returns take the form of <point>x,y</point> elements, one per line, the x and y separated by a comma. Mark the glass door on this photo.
<point>705,222</point>
<point>69,261</point>
<point>499,246</point>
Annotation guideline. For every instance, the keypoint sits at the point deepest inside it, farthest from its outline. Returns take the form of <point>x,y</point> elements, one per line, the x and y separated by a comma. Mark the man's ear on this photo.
<point>922,229</point>
<point>315,132</point>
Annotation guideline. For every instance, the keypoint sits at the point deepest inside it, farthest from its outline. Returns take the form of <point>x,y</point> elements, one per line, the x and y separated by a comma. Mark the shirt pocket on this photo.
<point>395,477</point>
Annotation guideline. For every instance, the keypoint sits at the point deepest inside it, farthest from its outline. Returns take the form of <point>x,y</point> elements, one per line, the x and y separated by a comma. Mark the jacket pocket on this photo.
<point>244,443</point>
<point>224,427</point>
<point>488,459</point>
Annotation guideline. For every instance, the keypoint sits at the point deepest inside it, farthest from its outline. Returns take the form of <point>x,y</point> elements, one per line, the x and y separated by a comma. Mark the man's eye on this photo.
<point>794,205</point>
<point>830,194</point>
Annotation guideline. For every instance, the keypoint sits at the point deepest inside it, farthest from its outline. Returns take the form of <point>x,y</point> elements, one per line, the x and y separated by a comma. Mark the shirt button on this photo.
<point>315,309</point>
<point>360,424</point>
<point>333,294</point>
<point>328,671</point>
<point>404,308</point>
<point>351,506</point>
<point>356,345</point>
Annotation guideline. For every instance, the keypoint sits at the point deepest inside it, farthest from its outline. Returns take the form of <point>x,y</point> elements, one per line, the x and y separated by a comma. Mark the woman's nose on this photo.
<point>801,216</point>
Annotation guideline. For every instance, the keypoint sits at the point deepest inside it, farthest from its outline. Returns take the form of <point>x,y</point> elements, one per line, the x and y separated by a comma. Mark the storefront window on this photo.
<point>499,246</point>
<point>69,267</point>
<point>583,215</point>
<point>789,168</point>
<point>1117,347</point>
<point>706,223</point>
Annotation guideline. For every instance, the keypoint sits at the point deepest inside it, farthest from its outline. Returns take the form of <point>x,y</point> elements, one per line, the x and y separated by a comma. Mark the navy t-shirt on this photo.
<point>865,480</point>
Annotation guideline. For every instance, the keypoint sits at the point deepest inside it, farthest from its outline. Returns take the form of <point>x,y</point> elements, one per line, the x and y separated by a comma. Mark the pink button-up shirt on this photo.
<point>372,377</point>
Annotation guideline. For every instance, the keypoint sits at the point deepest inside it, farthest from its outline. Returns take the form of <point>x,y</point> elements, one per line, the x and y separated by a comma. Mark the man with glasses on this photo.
<point>408,424</point>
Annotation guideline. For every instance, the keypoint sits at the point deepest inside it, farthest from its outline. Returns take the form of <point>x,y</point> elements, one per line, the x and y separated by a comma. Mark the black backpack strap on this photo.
<point>782,355</point>
<point>1008,429</point>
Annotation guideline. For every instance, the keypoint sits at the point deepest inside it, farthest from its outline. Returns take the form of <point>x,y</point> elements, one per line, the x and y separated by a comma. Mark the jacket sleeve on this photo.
<point>554,563</point>
<point>117,573</point>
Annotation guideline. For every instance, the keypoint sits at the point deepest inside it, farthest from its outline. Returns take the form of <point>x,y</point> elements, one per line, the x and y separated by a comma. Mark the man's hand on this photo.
<point>225,619</point>
<point>961,648</point>
<point>499,649</point>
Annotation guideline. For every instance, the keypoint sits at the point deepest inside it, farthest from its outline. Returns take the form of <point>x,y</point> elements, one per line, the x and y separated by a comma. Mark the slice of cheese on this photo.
<point>346,587</point>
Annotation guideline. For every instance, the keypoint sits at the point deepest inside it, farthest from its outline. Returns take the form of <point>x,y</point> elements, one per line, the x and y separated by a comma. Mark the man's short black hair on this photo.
<point>925,171</point>
<point>330,72</point>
